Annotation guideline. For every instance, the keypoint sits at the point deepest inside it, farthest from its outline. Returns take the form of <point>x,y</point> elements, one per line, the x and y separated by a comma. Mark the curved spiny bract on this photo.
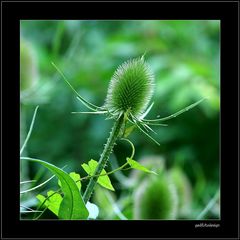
<point>130,88</point>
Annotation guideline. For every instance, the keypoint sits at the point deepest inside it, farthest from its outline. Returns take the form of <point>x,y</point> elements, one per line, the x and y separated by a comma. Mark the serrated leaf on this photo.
<point>134,164</point>
<point>104,181</point>
<point>72,206</point>
<point>53,202</point>
<point>76,177</point>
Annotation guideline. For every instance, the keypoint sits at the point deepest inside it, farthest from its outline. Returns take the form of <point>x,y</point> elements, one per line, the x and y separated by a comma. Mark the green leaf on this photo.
<point>104,181</point>
<point>53,202</point>
<point>134,164</point>
<point>72,205</point>
<point>76,177</point>
<point>87,169</point>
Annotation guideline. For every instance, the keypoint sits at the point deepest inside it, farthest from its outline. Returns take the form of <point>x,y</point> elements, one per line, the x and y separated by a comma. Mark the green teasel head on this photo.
<point>130,88</point>
<point>129,93</point>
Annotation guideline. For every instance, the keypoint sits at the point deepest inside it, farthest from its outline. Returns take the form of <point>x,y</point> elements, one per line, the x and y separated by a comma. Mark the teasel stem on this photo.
<point>114,134</point>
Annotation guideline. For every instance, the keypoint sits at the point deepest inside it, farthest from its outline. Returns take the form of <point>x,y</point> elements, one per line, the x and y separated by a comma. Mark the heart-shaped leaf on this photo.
<point>104,181</point>
<point>53,202</point>
<point>134,164</point>
<point>76,177</point>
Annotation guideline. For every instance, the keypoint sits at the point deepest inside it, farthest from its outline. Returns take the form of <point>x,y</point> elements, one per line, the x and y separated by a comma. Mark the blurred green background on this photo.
<point>185,58</point>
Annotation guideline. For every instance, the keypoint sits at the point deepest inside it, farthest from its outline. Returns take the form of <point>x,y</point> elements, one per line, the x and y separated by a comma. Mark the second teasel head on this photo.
<point>130,88</point>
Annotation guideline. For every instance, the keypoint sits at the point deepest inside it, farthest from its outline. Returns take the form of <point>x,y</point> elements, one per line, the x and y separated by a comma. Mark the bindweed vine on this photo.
<point>129,93</point>
<point>127,102</point>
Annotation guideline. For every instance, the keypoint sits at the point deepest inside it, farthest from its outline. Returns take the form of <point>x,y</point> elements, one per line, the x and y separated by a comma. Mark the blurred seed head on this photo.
<point>28,65</point>
<point>156,198</point>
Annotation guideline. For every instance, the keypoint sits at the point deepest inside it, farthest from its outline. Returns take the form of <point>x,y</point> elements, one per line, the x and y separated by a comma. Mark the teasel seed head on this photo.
<point>156,198</point>
<point>128,96</point>
<point>130,88</point>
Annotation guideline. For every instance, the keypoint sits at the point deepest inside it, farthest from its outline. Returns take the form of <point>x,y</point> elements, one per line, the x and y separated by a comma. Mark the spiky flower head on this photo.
<point>129,93</point>
<point>130,88</point>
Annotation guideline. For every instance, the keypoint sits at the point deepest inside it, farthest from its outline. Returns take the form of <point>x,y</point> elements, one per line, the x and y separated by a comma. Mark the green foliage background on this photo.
<point>185,57</point>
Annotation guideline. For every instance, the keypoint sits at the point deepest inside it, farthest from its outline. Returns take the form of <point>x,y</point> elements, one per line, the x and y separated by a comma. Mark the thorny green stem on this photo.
<point>104,157</point>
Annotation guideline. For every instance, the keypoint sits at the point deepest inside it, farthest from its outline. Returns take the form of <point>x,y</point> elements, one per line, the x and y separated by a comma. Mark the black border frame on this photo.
<point>227,12</point>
